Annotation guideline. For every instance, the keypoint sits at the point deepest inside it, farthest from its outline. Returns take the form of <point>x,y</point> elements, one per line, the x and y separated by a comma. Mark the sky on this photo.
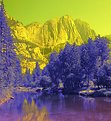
<point>96,12</point>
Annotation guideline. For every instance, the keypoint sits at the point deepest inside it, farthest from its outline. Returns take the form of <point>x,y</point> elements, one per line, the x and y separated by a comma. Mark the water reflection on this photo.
<point>89,104</point>
<point>60,107</point>
<point>32,113</point>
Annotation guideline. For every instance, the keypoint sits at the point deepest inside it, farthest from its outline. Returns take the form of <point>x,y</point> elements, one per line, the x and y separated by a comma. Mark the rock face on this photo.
<point>33,31</point>
<point>35,42</point>
<point>27,51</point>
<point>57,31</point>
<point>84,30</point>
<point>53,32</point>
<point>19,32</point>
<point>109,39</point>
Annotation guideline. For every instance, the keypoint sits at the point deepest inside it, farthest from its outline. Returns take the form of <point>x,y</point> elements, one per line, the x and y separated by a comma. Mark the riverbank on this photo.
<point>96,93</point>
<point>5,98</point>
<point>89,92</point>
<point>28,89</point>
<point>6,94</point>
<point>103,92</point>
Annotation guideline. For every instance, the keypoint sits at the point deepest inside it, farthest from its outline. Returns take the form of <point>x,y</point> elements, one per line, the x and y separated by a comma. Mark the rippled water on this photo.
<point>60,107</point>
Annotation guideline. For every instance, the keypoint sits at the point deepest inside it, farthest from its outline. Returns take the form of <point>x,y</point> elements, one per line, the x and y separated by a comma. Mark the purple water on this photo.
<point>60,108</point>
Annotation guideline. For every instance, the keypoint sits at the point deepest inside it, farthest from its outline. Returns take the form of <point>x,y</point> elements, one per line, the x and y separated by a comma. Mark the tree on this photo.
<point>36,75</point>
<point>93,55</point>
<point>72,68</point>
<point>88,59</point>
<point>45,72</point>
<point>77,66</point>
<point>45,82</point>
<point>52,68</point>
<point>102,69</point>
<point>18,80</point>
<point>27,81</point>
<point>102,49</point>
<point>9,64</point>
<point>104,76</point>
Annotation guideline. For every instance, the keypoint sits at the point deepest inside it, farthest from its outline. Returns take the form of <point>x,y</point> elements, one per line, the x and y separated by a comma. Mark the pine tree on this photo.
<point>27,79</point>
<point>10,70</point>
<point>36,75</point>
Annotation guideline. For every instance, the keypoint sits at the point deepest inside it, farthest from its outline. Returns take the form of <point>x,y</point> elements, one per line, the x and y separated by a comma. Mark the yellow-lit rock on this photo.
<point>35,42</point>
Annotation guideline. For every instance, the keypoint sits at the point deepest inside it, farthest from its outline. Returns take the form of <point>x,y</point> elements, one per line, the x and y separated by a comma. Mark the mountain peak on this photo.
<point>67,17</point>
<point>60,30</point>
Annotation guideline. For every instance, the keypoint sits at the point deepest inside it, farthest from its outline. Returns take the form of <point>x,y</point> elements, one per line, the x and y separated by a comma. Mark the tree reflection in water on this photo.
<point>32,113</point>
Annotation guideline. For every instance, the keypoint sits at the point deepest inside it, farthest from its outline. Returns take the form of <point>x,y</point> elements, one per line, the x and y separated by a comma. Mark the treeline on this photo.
<point>75,67</point>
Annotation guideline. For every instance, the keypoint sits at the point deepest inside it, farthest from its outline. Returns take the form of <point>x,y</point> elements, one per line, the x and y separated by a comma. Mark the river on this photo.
<point>60,107</point>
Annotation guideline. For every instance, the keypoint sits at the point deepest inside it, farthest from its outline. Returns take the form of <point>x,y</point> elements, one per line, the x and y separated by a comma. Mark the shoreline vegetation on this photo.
<point>87,92</point>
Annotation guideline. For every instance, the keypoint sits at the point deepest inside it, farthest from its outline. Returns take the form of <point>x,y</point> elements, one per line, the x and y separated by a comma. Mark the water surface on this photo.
<point>60,107</point>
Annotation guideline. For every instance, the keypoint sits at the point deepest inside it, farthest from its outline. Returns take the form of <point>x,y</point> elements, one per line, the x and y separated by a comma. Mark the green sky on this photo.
<point>96,12</point>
